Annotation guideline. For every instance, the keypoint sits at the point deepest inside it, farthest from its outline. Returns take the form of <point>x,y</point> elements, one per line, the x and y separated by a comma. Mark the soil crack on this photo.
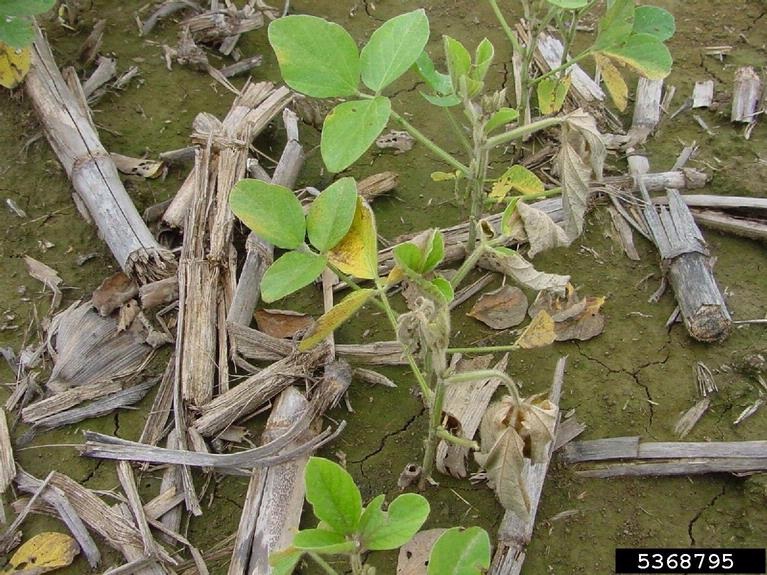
<point>385,438</point>
<point>710,504</point>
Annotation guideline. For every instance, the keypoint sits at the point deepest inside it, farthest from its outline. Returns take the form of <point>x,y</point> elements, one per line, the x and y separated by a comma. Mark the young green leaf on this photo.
<point>290,273</point>
<point>25,7</point>
<point>552,93</point>
<point>334,497</point>
<point>645,54</point>
<point>437,81</point>
<point>408,256</point>
<point>16,32</point>
<point>334,318</point>
<point>393,48</point>
<point>483,57</point>
<point>506,217</point>
<point>316,57</point>
<point>655,21</point>
<point>331,213</point>
<point>357,253</point>
<point>569,4</point>
<point>616,24</point>
<point>458,60</point>
<point>445,288</point>
<point>501,118</point>
<point>322,541</point>
<point>460,551</point>
<point>382,530</point>
<point>350,129</point>
<point>284,562</point>
<point>434,251</point>
<point>442,101</point>
<point>271,211</point>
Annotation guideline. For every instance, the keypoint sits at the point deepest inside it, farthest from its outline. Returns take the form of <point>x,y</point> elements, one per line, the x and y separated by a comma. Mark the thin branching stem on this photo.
<point>322,563</point>
<point>434,148</point>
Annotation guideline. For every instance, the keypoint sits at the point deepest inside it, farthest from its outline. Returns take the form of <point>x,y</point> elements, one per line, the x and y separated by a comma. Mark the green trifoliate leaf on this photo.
<point>333,495</point>
<point>273,212</point>
<point>393,48</point>
<point>331,213</point>
<point>290,273</point>
<point>350,129</point>
<point>316,57</point>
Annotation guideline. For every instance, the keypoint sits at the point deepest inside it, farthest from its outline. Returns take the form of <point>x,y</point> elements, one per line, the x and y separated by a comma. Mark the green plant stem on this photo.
<point>561,67</point>
<point>354,285</point>
<point>467,265</point>
<point>522,131</point>
<point>435,422</point>
<point>506,28</point>
<point>491,349</point>
<point>434,148</point>
<point>443,433</point>
<point>458,131</point>
<point>322,563</point>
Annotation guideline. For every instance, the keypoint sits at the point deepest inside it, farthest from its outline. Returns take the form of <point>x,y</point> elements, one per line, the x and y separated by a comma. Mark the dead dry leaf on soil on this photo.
<point>574,318</point>
<point>113,292</point>
<point>539,333</point>
<point>282,323</point>
<point>414,555</point>
<point>502,308</point>
<point>44,552</point>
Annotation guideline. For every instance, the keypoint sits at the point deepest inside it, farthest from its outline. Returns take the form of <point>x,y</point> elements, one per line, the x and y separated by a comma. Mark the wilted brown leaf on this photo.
<point>539,333</point>
<point>575,318</point>
<point>282,323</point>
<point>538,419</point>
<point>114,291</point>
<point>541,231</point>
<point>502,308</point>
<point>504,465</point>
<point>414,555</point>
<point>510,263</point>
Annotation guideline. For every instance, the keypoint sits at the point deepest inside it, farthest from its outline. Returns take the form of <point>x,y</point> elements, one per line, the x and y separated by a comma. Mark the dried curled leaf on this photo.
<point>504,465</point>
<point>539,333</point>
<point>542,232</point>
<point>44,552</point>
<point>502,308</point>
<point>574,318</point>
<point>538,420</point>
<point>510,263</point>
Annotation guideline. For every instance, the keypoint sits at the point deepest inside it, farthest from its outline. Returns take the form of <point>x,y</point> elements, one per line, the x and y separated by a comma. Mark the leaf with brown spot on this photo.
<point>502,308</point>
<point>414,555</point>
<point>282,323</point>
<point>44,552</point>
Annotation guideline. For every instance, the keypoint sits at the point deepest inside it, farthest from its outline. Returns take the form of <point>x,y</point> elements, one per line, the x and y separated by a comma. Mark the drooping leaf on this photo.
<point>519,179</point>
<point>539,333</point>
<point>458,60</point>
<point>504,464</point>
<point>316,57</point>
<point>645,54</point>
<point>654,20</point>
<point>541,231</point>
<point>552,93</point>
<point>382,530</point>
<point>460,551</point>
<point>284,562</point>
<point>334,318</point>
<point>270,211</point>
<point>42,553</point>
<point>510,263</point>
<point>393,48</point>
<point>615,25</point>
<point>586,126</point>
<point>483,57</point>
<point>357,253</point>
<point>16,31</point>
<point>14,65</point>
<point>290,273</point>
<point>616,85</point>
<point>503,308</point>
<point>350,129</point>
<point>538,421</point>
<point>334,497</point>
<point>575,176</point>
<point>331,213</point>
<point>569,4</point>
<point>322,541</point>
<point>25,7</point>
<point>501,118</point>
<point>437,81</point>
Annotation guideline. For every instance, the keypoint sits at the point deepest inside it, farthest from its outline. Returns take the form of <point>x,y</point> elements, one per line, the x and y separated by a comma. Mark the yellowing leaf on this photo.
<point>44,552</point>
<point>334,317</point>
<point>614,82</point>
<point>552,93</point>
<point>14,65</point>
<point>540,333</point>
<point>444,176</point>
<point>519,179</point>
<point>357,253</point>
